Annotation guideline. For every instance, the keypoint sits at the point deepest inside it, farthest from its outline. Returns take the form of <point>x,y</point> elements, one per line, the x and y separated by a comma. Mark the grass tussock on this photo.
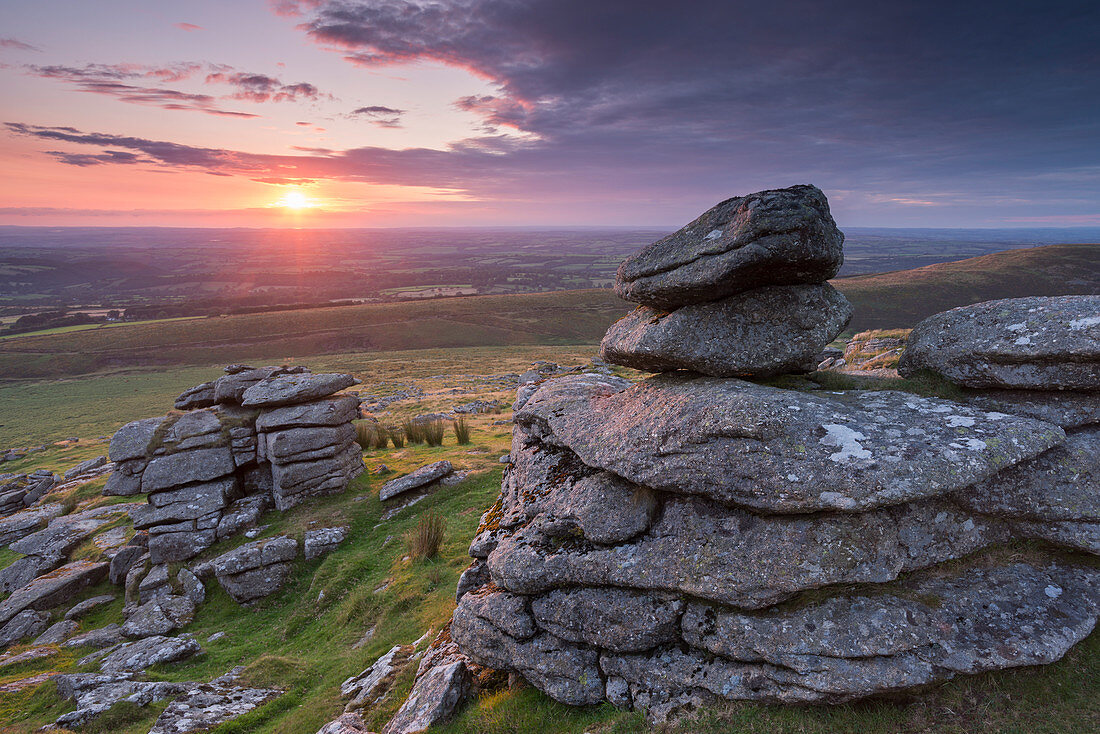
<point>426,538</point>
<point>396,435</point>
<point>462,431</point>
<point>432,432</point>
<point>371,435</point>
<point>412,431</point>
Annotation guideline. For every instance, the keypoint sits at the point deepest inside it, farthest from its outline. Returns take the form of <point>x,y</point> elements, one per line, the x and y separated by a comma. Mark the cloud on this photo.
<point>111,80</point>
<point>263,88</point>
<point>864,95</point>
<point>87,159</point>
<point>380,115</point>
<point>188,26</point>
<point>17,45</point>
<point>277,181</point>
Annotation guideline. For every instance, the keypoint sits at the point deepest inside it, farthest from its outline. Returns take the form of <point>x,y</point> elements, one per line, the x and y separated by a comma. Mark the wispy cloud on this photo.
<point>188,26</point>
<point>380,115</point>
<point>115,80</point>
<point>16,44</point>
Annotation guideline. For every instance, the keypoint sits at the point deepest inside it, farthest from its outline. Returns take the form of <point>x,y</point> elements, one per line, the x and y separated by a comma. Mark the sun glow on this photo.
<point>296,200</point>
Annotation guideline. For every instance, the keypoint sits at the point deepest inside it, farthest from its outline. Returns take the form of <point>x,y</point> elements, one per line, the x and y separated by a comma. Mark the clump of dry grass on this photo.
<point>432,431</point>
<point>462,431</point>
<point>426,538</point>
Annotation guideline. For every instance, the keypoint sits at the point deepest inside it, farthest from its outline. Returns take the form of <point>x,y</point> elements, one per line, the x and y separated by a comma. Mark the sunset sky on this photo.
<point>336,113</point>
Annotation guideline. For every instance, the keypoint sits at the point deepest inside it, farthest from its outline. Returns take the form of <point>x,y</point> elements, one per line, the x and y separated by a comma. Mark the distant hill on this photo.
<point>886,300</point>
<point>904,297</point>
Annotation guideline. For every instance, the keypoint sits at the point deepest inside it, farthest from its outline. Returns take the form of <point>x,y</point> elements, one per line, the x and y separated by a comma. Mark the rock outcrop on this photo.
<point>694,536</point>
<point>251,439</point>
<point>739,292</point>
<point>1025,343</point>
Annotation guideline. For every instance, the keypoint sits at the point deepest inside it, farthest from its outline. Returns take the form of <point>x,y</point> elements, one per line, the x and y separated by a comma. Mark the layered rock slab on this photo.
<point>775,237</point>
<point>1038,343</point>
<point>777,450</point>
<point>763,332</point>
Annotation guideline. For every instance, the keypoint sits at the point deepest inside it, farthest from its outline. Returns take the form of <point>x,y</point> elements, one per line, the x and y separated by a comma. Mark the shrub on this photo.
<point>432,431</point>
<point>462,431</point>
<point>424,540</point>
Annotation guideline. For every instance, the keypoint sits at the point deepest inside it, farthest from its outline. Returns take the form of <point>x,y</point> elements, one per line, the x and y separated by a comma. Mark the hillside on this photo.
<point>887,300</point>
<point>904,297</point>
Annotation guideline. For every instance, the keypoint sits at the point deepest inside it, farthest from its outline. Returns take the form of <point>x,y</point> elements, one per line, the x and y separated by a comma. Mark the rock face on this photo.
<point>691,537</point>
<point>19,491</point>
<point>1029,343</point>
<point>777,237</point>
<point>52,589</point>
<point>251,439</point>
<point>763,332</point>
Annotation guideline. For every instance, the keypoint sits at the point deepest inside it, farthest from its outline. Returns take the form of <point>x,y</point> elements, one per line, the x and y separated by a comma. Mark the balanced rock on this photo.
<point>1038,343</point>
<point>776,237</point>
<point>762,332</point>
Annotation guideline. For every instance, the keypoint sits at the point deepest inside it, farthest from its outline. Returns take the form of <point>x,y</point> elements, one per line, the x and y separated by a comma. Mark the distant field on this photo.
<point>886,300</point>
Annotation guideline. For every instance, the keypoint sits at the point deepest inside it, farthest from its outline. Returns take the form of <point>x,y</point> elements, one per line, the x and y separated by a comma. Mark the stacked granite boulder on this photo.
<point>695,536</point>
<point>248,440</point>
<point>739,292</point>
<point>20,491</point>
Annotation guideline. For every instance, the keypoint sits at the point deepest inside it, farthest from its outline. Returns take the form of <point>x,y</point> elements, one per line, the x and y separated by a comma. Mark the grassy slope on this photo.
<point>904,297</point>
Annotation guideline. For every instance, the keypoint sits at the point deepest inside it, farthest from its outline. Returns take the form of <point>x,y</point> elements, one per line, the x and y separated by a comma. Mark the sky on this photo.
<point>338,113</point>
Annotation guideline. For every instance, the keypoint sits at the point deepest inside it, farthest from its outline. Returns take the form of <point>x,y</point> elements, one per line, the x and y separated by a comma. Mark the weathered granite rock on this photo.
<point>181,541</point>
<point>1060,484</point>
<point>199,396</point>
<point>134,440</point>
<point>348,723</point>
<point>475,576</point>
<point>1037,343</point>
<point>23,523</point>
<point>134,657</point>
<point>159,616</point>
<point>414,480</point>
<point>57,587</point>
<point>191,585</point>
<point>620,620</point>
<point>732,556</point>
<point>554,483</point>
<point>763,332</point>
<point>122,561</point>
<point>231,387</point>
<point>203,706</point>
<point>57,633</point>
<point>86,467</point>
<point>28,623</point>
<point>125,480</point>
<point>365,688</point>
<point>779,450</point>
<point>323,540</point>
<point>242,514</point>
<point>81,609</point>
<point>308,443</point>
<point>566,671</point>
<point>326,412</point>
<point>101,638</point>
<point>197,465</point>
<point>295,482</point>
<point>256,569</point>
<point>434,698</point>
<point>24,570</point>
<point>189,502</point>
<point>776,237</point>
<point>282,390</point>
<point>848,647</point>
<point>96,693</point>
<point>60,536</point>
<point>1065,408</point>
<point>155,584</point>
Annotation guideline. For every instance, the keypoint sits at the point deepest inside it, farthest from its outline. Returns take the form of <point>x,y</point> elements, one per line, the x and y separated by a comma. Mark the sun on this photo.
<point>295,200</point>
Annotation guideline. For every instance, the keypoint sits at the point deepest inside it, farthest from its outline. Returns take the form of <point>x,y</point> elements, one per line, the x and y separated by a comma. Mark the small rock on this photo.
<point>422,476</point>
